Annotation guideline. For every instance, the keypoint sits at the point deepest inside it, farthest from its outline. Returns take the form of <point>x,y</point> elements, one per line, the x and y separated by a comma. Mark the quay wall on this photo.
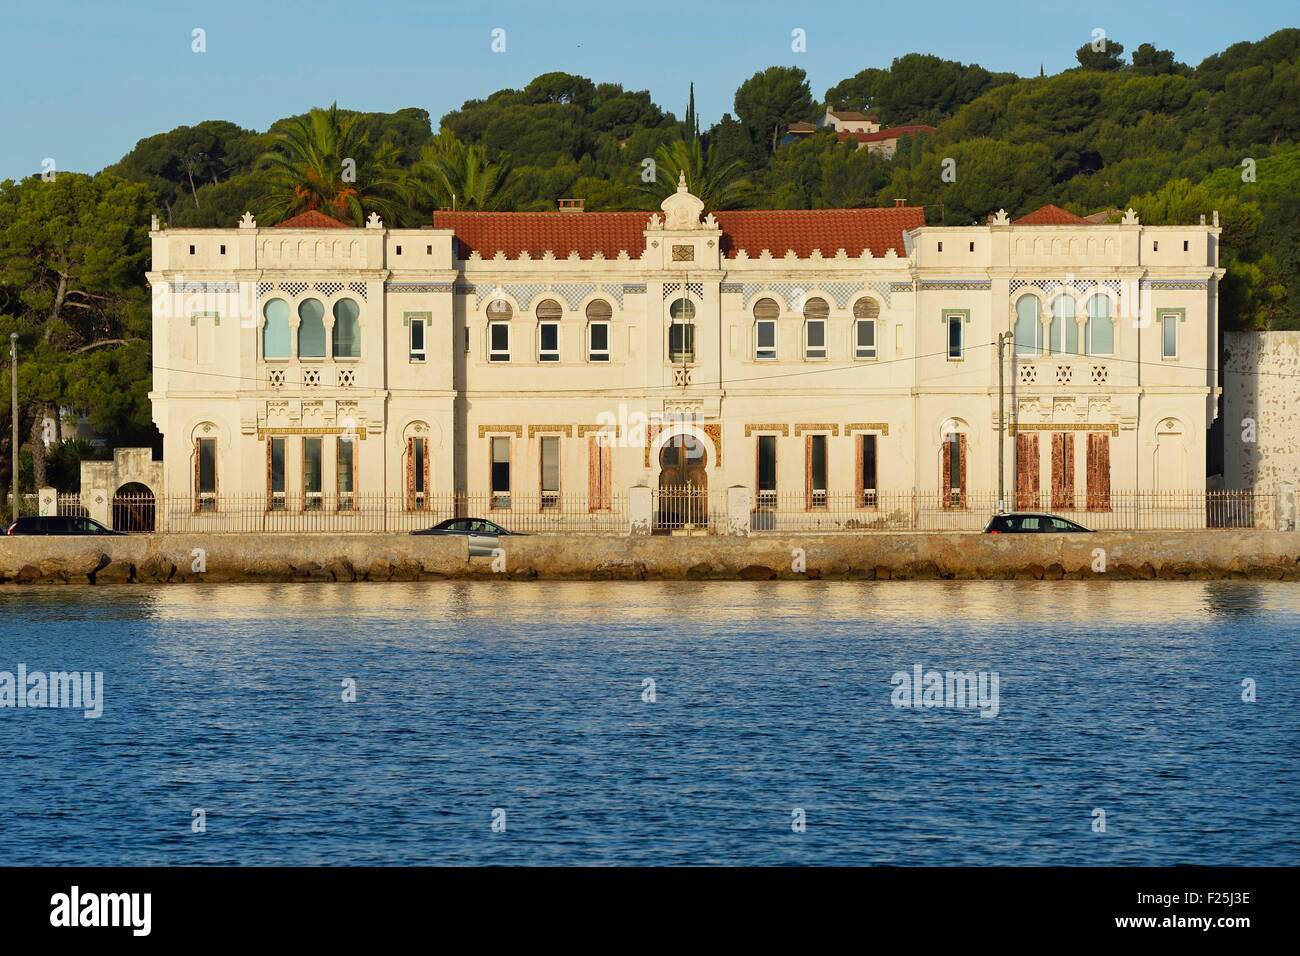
<point>179,558</point>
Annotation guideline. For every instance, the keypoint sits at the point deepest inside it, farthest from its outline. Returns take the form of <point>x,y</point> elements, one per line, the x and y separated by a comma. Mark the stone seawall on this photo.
<point>1170,555</point>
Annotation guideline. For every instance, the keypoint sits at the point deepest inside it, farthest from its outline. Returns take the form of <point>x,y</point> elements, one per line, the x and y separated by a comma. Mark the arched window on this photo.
<point>347,329</point>
<point>681,331</point>
<point>499,310</point>
<point>276,341</point>
<point>498,316</point>
<point>1029,330</point>
<point>815,314</point>
<point>311,329</point>
<point>865,313</point>
<point>766,312</point>
<point>598,315</point>
<point>1100,330</point>
<point>1064,333</point>
<point>548,330</point>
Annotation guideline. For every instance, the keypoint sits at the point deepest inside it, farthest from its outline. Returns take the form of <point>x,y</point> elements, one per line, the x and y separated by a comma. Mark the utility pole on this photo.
<point>13,393</point>
<point>1002,429</point>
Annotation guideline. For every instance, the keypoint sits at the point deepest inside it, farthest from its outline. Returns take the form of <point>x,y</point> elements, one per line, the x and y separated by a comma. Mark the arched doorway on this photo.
<point>683,484</point>
<point>134,509</point>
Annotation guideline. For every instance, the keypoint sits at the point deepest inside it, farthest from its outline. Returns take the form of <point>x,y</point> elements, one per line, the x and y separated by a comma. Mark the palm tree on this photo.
<point>323,161</point>
<point>451,174</point>
<point>719,185</point>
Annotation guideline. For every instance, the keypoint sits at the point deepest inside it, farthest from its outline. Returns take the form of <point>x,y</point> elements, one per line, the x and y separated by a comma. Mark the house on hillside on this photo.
<point>884,142</point>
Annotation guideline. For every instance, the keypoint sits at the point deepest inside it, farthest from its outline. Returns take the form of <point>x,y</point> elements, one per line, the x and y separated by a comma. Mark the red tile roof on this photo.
<point>1050,215</point>
<point>610,233</point>
<point>536,232</point>
<point>312,219</point>
<point>894,132</point>
<point>829,230</point>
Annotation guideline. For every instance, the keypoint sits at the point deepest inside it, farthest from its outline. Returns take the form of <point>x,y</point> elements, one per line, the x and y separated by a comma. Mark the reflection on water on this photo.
<point>769,696</point>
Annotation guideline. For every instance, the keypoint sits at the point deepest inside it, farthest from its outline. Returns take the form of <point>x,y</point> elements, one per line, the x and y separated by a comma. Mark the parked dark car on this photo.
<point>484,536</point>
<point>1031,523</point>
<point>58,525</point>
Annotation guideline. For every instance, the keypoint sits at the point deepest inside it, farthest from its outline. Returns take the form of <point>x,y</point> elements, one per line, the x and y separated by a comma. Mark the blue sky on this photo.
<point>82,82</point>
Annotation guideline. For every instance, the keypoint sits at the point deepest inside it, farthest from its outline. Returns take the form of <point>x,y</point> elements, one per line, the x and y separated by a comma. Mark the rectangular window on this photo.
<point>417,340</point>
<point>311,474</point>
<point>498,342</point>
<point>764,339</point>
<point>681,342</point>
<point>205,474</point>
<point>548,342</point>
<point>598,350</point>
<point>275,483</point>
<point>865,339</point>
<point>346,473</point>
<point>816,473</point>
<point>814,339</point>
<point>767,471</point>
<point>1169,335</point>
<point>501,472</point>
<point>550,471</point>
<point>955,333</point>
<point>867,488</point>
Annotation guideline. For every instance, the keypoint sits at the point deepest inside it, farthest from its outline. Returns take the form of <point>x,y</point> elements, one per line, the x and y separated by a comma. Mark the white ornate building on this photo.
<point>808,356</point>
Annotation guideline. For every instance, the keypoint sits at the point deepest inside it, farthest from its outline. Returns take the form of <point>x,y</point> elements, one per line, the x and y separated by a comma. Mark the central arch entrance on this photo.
<point>683,484</point>
<point>134,509</point>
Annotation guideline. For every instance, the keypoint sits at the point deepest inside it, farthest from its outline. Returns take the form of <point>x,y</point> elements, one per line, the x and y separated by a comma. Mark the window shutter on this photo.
<point>499,310</point>
<point>807,472</point>
<point>766,309</point>
<point>599,311</point>
<point>269,496</point>
<point>1098,481</point>
<point>961,468</point>
<point>410,474</point>
<point>859,491</point>
<point>1063,471</point>
<point>816,309</point>
<point>1027,471</point>
<point>198,452</point>
<point>548,310</point>
<point>945,476</point>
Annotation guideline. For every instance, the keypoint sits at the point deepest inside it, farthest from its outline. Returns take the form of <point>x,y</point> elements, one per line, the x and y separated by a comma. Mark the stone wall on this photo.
<point>233,557</point>
<point>1261,418</point>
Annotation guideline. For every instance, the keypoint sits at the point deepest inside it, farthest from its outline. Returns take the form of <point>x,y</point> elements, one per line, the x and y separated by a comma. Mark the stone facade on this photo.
<point>805,353</point>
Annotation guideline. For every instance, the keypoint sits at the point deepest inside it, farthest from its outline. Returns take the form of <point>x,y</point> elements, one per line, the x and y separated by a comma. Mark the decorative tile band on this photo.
<point>565,430</point>
<point>957,285</point>
<point>587,429</point>
<point>516,430</point>
<point>1186,285</point>
<point>634,288</point>
<point>404,287</point>
<point>359,431</point>
<point>816,427</point>
<point>1065,427</point>
<point>778,427</point>
<point>882,427</point>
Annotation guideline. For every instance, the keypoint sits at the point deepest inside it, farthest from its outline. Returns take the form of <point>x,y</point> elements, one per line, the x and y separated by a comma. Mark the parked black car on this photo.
<point>1031,523</point>
<point>484,536</point>
<point>62,524</point>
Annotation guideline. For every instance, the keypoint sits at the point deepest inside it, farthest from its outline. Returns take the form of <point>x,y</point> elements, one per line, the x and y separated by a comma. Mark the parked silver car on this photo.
<point>484,536</point>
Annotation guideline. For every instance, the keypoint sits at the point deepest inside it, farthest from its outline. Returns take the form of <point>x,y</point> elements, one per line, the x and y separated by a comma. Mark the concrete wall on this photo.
<point>224,558</point>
